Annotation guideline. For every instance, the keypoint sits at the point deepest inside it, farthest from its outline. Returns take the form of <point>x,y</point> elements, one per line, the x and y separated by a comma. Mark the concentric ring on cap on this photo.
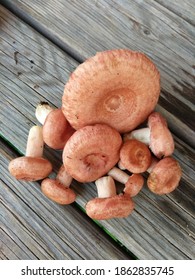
<point>91,152</point>
<point>116,87</point>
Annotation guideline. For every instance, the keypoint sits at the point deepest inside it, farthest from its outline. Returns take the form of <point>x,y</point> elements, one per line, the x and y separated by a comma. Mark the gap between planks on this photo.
<point>143,222</point>
<point>27,233</point>
<point>177,82</point>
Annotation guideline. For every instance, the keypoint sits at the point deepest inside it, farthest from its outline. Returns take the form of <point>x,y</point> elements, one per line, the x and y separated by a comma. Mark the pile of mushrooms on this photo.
<point>105,102</point>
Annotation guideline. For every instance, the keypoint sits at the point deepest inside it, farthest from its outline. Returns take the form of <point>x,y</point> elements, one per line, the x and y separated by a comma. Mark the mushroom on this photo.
<point>156,135</point>
<point>91,152</point>
<point>58,189</point>
<point>109,205</point>
<point>56,129</point>
<point>164,176</point>
<point>116,87</point>
<point>31,167</point>
<point>133,183</point>
<point>135,156</point>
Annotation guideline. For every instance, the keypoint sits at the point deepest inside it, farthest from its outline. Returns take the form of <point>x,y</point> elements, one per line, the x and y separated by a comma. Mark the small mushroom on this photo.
<point>156,135</point>
<point>135,156</point>
<point>58,189</point>
<point>110,205</point>
<point>117,87</point>
<point>91,152</point>
<point>133,184</point>
<point>56,130</point>
<point>164,176</point>
<point>31,167</point>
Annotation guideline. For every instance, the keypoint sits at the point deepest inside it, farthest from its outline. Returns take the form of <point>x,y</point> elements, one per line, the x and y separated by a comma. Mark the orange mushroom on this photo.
<point>31,167</point>
<point>91,152</point>
<point>156,135</point>
<point>164,176</point>
<point>133,183</point>
<point>116,87</point>
<point>135,156</point>
<point>109,205</point>
<point>58,189</point>
<point>56,129</point>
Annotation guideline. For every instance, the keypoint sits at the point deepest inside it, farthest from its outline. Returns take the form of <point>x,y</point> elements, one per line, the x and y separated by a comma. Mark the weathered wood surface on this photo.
<point>33,227</point>
<point>164,31</point>
<point>34,69</point>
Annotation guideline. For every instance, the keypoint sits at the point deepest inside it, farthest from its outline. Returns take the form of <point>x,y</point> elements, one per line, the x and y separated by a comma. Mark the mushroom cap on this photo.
<point>57,192</point>
<point>91,152</point>
<point>134,185</point>
<point>161,140</point>
<point>118,206</point>
<point>135,156</point>
<point>56,130</point>
<point>117,87</point>
<point>30,168</point>
<point>165,176</point>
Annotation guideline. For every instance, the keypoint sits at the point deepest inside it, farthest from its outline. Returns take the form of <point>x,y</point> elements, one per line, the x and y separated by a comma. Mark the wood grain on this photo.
<point>161,227</point>
<point>33,227</point>
<point>164,31</point>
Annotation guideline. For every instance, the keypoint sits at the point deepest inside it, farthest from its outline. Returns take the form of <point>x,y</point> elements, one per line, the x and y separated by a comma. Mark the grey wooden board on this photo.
<point>33,227</point>
<point>161,227</point>
<point>164,31</point>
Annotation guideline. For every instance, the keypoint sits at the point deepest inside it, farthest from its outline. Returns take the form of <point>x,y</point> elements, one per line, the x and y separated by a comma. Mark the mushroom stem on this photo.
<point>105,187</point>
<point>42,111</point>
<point>35,144</point>
<point>133,184</point>
<point>142,134</point>
<point>120,165</point>
<point>64,177</point>
<point>152,165</point>
<point>118,175</point>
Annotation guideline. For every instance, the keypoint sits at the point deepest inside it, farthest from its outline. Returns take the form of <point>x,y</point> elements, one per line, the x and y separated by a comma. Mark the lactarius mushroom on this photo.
<point>116,87</point>
<point>109,205</point>
<point>31,167</point>
<point>58,189</point>
<point>156,135</point>
<point>135,156</point>
<point>56,129</point>
<point>164,176</point>
<point>133,184</point>
<point>91,152</point>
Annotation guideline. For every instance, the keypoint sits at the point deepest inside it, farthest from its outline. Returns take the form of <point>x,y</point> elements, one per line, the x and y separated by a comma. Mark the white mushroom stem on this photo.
<point>119,175</point>
<point>64,177</point>
<point>152,165</point>
<point>105,187</point>
<point>35,144</point>
<point>42,111</point>
<point>120,165</point>
<point>142,134</point>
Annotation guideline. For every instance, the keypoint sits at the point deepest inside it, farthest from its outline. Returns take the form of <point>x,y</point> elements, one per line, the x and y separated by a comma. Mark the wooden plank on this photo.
<point>160,227</point>
<point>32,227</point>
<point>164,31</point>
